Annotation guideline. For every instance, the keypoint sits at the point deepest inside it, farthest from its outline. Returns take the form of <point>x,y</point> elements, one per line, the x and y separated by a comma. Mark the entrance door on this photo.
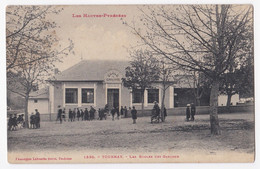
<point>113,98</point>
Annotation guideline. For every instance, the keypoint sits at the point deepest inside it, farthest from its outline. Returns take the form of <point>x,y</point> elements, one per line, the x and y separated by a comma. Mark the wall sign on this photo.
<point>113,76</point>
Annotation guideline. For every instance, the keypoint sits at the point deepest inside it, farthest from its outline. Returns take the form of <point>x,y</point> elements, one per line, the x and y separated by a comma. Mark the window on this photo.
<point>87,95</point>
<point>153,95</point>
<point>71,95</point>
<point>35,101</point>
<point>137,96</point>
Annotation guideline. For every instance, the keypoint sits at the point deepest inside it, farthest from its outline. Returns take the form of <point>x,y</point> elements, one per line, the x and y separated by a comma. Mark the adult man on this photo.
<point>122,111</point>
<point>125,110</point>
<point>78,114</point>
<point>134,114</point>
<point>37,118</point>
<point>59,117</point>
<point>192,111</point>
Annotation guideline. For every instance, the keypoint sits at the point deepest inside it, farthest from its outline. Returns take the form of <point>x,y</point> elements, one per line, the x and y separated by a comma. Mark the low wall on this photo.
<point>204,110</point>
<point>175,111</point>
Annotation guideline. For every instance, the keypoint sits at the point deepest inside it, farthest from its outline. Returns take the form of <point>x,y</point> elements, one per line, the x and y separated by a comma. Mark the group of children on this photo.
<point>88,115</point>
<point>14,122</point>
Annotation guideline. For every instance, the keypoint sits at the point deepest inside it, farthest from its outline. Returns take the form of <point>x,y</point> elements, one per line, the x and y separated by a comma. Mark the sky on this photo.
<point>95,38</point>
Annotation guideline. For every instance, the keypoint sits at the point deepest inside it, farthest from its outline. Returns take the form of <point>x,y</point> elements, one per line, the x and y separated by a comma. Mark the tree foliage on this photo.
<point>31,36</point>
<point>142,72</point>
<point>32,48</point>
<point>203,38</point>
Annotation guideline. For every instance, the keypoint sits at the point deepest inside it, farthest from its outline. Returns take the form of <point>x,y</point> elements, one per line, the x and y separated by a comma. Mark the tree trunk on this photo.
<point>197,101</point>
<point>162,106</point>
<point>142,97</point>
<point>214,121</point>
<point>228,101</point>
<point>26,116</point>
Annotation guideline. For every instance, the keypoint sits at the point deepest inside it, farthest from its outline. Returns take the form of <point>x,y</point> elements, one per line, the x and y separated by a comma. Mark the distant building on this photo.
<point>97,83</point>
<point>222,99</point>
<point>39,100</point>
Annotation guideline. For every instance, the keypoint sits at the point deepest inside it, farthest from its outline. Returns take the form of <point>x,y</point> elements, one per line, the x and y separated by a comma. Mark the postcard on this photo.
<point>130,83</point>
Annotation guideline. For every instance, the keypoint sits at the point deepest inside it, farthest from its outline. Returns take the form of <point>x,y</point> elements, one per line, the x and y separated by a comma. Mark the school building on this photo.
<point>97,83</point>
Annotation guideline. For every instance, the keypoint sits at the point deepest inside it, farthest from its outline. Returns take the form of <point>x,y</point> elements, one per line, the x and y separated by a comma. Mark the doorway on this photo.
<point>113,98</point>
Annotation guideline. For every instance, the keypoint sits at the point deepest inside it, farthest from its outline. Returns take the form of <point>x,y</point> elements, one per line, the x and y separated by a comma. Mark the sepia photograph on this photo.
<point>130,83</point>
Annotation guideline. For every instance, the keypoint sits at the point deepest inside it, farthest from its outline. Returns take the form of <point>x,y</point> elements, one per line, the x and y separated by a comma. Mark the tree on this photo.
<point>167,72</point>
<point>32,48</point>
<point>203,38</point>
<point>238,81</point>
<point>30,30</point>
<point>142,72</point>
<point>199,84</point>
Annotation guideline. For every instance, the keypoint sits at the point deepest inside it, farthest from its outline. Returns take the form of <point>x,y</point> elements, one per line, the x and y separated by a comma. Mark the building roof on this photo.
<point>91,70</point>
<point>40,94</point>
<point>95,70</point>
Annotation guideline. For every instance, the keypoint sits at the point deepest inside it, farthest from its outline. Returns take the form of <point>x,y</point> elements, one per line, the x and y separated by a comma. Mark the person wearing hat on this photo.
<point>192,111</point>
<point>156,109</point>
<point>188,112</point>
<point>134,115</point>
<point>59,117</point>
<point>37,118</point>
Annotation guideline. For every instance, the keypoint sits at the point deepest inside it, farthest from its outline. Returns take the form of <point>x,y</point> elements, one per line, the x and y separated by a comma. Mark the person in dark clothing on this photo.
<point>20,121</point>
<point>188,112</point>
<point>117,113</point>
<point>113,112</point>
<point>15,122</point>
<point>60,114</point>
<point>10,122</point>
<point>78,113</point>
<point>37,118</point>
<point>92,113</point>
<point>86,114</point>
<point>74,114</point>
<point>134,114</point>
<point>122,111</point>
<point>106,108</point>
<point>81,114</point>
<point>32,121</point>
<point>64,114</point>
<point>192,111</point>
<point>156,109</point>
<point>125,112</point>
<point>70,115</point>
<point>99,114</point>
